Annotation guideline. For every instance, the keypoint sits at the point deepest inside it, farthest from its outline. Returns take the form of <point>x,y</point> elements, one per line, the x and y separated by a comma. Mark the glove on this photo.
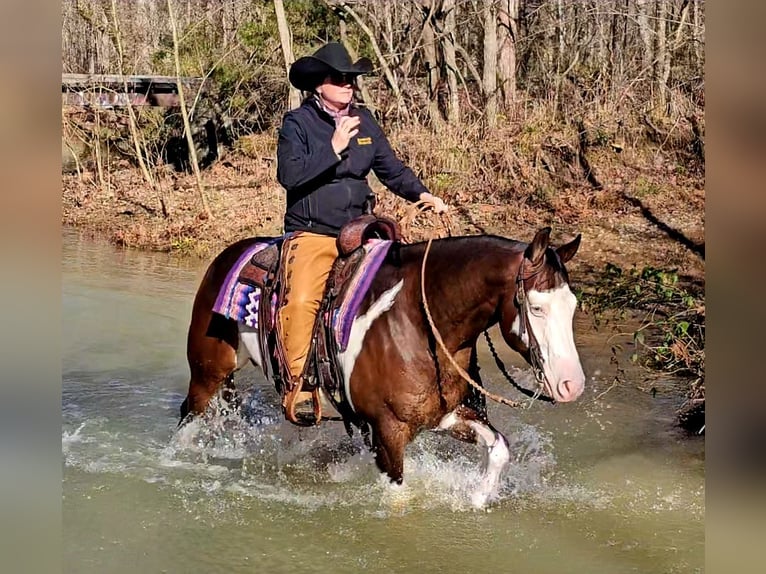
<point>436,203</point>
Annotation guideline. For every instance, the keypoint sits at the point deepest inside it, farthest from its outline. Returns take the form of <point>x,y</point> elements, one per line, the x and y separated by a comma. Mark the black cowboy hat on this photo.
<point>308,72</point>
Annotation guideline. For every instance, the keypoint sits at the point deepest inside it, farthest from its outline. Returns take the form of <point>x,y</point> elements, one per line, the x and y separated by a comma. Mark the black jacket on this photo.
<point>323,192</point>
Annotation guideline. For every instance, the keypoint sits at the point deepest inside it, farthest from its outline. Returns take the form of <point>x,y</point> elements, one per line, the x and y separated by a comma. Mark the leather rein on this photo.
<point>535,356</point>
<point>533,346</point>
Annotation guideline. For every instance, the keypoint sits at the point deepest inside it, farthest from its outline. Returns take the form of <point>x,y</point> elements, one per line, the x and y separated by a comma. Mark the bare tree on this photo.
<point>645,15</point>
<point>444,21</point>
<point>185,115</point>
<point>366,96</point>
<point>431,62</point>
<point>507,32</point>
<point>489,79</point>
<point>286,41</point>
<point>662,54</point>
<point>698,38</point>
<point>132,123</point>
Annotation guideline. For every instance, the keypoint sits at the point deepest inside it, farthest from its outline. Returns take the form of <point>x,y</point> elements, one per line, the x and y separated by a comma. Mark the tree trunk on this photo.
<point>432,68</point>
<point>662,59</point>
<point>366,97</point>
<point>603,27</point>
<point>508,33</point>
<point>644,11</point>
<point>390,77</point>
<point>185,116</point>
<point>617,33</point>
<point>559,54</point>
<point>697,38</point>
<point>287,50</point>
<point>449,60</point>
<point>489,75</point>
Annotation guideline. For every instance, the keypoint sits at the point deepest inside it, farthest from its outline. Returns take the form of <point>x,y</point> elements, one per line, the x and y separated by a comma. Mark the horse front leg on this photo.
<point>467,425</point>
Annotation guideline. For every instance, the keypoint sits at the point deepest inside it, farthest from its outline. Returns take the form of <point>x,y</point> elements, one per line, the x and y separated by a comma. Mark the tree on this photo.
<point>489,76</point>
<point>507,32</point>
<point>287,50</point>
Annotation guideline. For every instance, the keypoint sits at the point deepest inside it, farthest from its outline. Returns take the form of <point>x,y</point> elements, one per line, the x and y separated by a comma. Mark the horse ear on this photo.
<point>536,250</point>
<point>567,251</point>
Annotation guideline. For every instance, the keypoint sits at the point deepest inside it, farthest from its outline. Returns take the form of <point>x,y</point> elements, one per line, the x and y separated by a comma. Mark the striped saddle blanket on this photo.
<point>240,300</point>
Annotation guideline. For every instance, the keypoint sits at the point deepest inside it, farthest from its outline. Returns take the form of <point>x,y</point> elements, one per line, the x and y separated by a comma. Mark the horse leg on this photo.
<point>389,439</point>
<point>211,351</point>
<point>467,425</point>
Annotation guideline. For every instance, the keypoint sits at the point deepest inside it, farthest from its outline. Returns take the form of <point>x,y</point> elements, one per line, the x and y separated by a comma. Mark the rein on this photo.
<point>534,347</point>
<point>438,337</point>
<point>501,366</point>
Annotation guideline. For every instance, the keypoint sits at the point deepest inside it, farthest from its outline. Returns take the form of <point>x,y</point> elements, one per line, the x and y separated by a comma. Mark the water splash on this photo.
<point>225,456</point>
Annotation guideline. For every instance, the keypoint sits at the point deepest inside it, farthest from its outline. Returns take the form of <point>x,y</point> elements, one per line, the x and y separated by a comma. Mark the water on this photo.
<point>603,485</point>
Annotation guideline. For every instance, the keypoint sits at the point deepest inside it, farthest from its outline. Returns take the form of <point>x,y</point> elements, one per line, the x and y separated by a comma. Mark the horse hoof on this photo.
<point>479,500</point>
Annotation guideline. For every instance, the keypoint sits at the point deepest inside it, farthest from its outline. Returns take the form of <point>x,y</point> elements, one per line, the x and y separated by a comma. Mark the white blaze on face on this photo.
<point>550,319</point>
<point>359,328</point>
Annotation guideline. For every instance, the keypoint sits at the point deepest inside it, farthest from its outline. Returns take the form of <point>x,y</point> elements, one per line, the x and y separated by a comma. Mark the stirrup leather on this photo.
<point>295,396</point>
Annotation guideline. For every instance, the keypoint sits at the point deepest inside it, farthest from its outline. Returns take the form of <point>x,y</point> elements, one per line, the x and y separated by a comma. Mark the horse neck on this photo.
<point>468,283</point>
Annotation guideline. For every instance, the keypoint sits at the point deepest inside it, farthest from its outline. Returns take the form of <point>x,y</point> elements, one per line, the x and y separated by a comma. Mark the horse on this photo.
<point>397,380</point>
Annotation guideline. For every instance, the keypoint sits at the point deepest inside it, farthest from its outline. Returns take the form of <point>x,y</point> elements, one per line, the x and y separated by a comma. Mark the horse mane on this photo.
<point>474,242</point>
<point>473,246</point>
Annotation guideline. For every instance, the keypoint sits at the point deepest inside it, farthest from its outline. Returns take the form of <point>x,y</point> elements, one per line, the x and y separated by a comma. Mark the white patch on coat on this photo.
<point>550,319</point>
<point>498,456</point>
<point>448,421</point>
<point>250,347</point>
<point>359,328</point>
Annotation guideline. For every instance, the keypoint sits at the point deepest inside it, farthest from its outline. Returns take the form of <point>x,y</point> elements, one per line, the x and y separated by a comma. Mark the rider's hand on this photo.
<point>347,127</point>
<point>436,203</point>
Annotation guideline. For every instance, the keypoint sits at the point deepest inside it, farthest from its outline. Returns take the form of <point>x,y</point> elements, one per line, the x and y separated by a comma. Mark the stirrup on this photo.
<point>297,396</point>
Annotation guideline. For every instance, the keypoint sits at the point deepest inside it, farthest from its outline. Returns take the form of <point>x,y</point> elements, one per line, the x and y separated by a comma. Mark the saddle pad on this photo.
<point>344,315</point>
<point>236,300</point>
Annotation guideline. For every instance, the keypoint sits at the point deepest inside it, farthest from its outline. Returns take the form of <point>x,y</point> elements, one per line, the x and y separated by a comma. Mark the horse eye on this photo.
<point>536,309</point>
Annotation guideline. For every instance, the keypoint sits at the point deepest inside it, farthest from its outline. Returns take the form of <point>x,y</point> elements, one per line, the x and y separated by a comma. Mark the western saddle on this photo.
<point>301,402</point>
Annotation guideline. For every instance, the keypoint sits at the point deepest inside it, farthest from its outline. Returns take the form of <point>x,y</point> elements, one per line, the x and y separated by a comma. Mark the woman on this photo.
<point>326,149</point>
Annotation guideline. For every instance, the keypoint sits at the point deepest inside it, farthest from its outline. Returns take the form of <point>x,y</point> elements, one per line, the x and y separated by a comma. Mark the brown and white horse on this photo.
<point>396,378</point>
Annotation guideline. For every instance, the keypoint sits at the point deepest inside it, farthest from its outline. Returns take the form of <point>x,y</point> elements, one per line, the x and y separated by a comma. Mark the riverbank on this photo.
<point>640,217</point>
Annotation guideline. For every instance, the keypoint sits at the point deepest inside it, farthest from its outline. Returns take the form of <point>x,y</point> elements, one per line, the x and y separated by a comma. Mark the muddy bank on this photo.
<point>661,225</point>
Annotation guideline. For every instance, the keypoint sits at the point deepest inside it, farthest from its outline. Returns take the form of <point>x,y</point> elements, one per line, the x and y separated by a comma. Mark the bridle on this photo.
<point>534,348</point>
<point>535,356</point>
<point>536,359</point>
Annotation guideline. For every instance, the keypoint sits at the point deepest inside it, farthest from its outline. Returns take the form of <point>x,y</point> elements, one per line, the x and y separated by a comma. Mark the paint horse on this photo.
<point>397,380</point>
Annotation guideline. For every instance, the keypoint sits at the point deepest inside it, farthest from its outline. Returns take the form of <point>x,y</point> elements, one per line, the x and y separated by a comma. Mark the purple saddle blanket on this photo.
<point>237,300</point>
<point>240,301</point>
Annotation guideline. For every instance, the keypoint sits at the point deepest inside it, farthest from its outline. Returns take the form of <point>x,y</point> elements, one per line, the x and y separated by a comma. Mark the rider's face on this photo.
<point>337,89</point>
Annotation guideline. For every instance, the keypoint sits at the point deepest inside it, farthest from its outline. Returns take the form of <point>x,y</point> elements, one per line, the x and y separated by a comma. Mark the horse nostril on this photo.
<point>567,390</point>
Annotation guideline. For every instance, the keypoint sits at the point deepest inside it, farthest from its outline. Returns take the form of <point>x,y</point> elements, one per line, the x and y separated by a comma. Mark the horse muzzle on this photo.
<point>568,390</point>
<point>569,382</point>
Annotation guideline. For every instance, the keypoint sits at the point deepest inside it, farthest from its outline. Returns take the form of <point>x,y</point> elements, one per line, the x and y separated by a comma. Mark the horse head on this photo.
<point>537,320</point>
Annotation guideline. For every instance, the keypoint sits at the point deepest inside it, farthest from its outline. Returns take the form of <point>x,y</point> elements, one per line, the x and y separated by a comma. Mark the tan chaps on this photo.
<point>307,266</point>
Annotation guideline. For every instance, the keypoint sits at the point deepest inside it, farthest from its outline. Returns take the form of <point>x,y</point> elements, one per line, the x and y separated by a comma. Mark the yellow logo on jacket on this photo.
<point>364,141</point>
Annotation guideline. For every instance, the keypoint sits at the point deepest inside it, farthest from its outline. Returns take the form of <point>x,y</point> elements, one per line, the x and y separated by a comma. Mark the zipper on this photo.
<point>348,196</point>
<point>308,210</point>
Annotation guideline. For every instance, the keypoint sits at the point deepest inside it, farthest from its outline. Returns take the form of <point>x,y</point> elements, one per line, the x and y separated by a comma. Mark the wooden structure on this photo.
<point>111,90</point>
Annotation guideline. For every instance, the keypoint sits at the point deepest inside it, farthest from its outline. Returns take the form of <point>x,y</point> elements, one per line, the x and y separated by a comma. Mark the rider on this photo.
<point>326,148</point>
